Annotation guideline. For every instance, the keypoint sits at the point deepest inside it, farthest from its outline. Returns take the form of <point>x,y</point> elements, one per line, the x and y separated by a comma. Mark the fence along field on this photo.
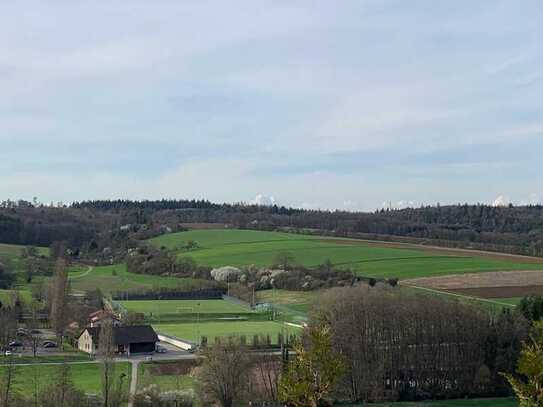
<point>193,319</point>
<point>245,247</point>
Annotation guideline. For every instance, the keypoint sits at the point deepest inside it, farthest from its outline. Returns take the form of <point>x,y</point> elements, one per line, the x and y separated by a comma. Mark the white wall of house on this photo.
<point>85,344</point>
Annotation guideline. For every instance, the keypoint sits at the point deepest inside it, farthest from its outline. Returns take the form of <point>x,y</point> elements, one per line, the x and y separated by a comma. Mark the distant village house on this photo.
<point>128,340</point>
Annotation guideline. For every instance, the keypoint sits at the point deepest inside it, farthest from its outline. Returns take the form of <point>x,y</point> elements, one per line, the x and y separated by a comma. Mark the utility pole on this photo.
<point>198,323</point>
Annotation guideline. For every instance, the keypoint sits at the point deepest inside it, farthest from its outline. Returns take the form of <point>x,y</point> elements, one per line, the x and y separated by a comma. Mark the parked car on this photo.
<point>22,332</point>
<point>15,344</point>
<point>161,349</point>
<point>49,344</point>
<point>8,353</point>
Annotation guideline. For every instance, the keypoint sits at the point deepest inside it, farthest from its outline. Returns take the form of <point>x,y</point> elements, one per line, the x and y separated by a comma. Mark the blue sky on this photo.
<point>317,104</point>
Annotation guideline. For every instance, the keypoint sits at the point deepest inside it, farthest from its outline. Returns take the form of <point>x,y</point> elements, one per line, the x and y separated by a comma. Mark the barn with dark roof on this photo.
<point>127,340</point>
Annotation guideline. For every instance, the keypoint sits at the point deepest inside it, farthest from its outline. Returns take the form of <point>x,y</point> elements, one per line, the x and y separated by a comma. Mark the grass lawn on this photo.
<point>512,301</point>
<point>293,305</point>
<point>245,247</point>
<point>10,255</point>
<point>6,296</point>
<point>184,306</point>
<point>491,402</point>
<point>117,278</point>
<point>75,357</point>
<point>286,297</point>
<point>167,379</point>
<point>85,376</point>
<point>192,331</point>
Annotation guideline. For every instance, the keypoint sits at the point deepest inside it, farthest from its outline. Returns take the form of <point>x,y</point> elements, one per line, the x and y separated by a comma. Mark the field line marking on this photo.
<point>467,297</point>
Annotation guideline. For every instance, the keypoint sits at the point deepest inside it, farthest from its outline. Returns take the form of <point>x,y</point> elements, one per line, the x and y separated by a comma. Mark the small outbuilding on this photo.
<point>128,340</point>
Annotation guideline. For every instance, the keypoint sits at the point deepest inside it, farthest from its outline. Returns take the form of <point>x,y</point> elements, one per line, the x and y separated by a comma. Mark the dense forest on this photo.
<point>97,224</point>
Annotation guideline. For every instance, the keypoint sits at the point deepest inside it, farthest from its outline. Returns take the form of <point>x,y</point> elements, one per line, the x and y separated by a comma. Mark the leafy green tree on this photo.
<point>532,307</point>
<point>311,376</point>
<point>529,388</point>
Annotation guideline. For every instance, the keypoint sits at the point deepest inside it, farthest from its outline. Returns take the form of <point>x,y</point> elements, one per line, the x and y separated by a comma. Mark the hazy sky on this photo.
<point>321,104</point>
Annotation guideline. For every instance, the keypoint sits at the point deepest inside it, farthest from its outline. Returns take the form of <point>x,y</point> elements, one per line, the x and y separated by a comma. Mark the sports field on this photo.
<point>194,331</point>
<point>381,260</point>
<point>185,306</point>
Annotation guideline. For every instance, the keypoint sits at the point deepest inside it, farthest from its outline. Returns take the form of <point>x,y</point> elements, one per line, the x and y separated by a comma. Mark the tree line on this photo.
<point>93,225</point>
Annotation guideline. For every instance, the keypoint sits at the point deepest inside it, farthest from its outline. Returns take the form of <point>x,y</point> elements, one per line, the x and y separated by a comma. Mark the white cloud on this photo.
<point>263,200</point>
<point>501,201</point>
<point>402,204</point>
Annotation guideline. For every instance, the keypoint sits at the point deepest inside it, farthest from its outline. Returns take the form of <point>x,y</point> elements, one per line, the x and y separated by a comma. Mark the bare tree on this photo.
<point>399,345</point>
<point>63,383</point>
<point>59,300</point>
<point>106,347</point>
<point>224,374</point>
<point>8,322</point>
<point>62,392</point>
<point>34,334</point>
<point>265,377</point>
<point>6,381</point>
<point>36,384</point>
<point>284,260</point>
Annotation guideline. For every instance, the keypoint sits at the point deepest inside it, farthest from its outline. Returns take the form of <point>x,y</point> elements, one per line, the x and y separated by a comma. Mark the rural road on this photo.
<point>133,382</point>
<point>89,269</point>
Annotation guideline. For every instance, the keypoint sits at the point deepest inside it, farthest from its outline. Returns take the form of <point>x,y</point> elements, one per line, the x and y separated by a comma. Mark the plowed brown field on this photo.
<point>502,284</point>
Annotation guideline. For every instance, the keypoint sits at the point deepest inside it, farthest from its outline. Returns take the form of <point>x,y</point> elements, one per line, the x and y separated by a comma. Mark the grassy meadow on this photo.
<point>490,402</point>
<point>166,375</point>
<point>117,278</point>
<point>245,247</point>
<point>10,255</point>
<point>6,296</point>
<point>85,376</point>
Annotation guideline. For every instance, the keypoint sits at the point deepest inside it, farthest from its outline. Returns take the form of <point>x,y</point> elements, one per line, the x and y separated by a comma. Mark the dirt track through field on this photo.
<point>463,296</point>
<point>478,280</point>
<point>500,284</point>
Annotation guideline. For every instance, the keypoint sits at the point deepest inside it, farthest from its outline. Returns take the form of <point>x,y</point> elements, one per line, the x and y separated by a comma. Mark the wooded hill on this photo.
<point>507,229</point>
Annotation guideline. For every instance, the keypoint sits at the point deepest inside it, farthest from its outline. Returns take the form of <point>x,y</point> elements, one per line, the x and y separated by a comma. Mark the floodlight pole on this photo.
<point>198,323</point>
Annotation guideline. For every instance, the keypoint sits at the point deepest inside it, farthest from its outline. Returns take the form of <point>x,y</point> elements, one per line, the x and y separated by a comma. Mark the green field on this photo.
<point>491,402</point>
<point>245,247</point>
<point>193,332</point>
<point>185,306</point>
<point>166,382</point>
<point>85,376</point>
<point>117,278</point>
<point>512,301</point>
<point>6,296</point>
<point>10,255</point>
<point>293,306</point>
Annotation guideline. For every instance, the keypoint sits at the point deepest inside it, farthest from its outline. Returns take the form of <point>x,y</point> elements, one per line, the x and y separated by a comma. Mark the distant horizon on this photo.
<point>411,205</point>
